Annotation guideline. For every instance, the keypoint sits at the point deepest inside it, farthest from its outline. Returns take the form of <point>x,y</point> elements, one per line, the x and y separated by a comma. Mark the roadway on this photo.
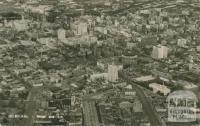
<point>91,117</point>
<point>30,108</point>
<point>148,109</point>
<point>30,105</point>
<point>90,114</point>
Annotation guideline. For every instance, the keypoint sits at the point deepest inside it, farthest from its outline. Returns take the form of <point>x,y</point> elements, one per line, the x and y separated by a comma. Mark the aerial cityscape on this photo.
<point>99,62</point>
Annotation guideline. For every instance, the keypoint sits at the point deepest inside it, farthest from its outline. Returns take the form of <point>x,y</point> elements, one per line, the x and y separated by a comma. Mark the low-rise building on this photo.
<point>61,33</point>
<point>80,27</point>
<point>98,76</point>
<point>160,88</point>
<point>182,43</point>
<point>145,78</point>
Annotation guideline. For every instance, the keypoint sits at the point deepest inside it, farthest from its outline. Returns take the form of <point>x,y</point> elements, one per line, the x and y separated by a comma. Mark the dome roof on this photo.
<point>182,94</point>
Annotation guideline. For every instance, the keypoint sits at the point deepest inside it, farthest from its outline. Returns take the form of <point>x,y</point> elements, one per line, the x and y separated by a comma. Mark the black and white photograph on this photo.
<point>99,62</point>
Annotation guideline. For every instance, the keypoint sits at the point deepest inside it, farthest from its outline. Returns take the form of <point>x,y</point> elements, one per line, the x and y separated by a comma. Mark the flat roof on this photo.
<point>145,78</point>
<point>160,87</point>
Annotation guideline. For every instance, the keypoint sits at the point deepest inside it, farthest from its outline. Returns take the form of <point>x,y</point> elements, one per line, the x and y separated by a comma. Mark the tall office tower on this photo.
<point>113,72</point>
<point>159,52</point>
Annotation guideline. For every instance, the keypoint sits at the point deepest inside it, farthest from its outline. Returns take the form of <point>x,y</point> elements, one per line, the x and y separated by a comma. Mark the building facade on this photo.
<point>159,52</point>
<point>113,72</point>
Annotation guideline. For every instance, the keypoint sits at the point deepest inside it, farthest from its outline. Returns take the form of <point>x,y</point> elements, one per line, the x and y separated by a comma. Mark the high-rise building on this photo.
<point>160,52</point>
<point>113,72</point>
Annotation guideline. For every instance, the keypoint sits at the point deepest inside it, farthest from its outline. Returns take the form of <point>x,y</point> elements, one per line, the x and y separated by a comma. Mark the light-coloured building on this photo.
<point>61,33</point>
<point>98,75</point>
<point>20,25</point>
<point>198,48</point>
<point>101,30</point>
<point>80,27</point>
<point>116,22</point>
<point>182,42</point>
<point>79,123</point>
<point>113,72</point>
<point>137,106</point>
<point>38,85</point>
<point>130,93</point>
<point>159,88</point>
<point>145,78</point>
<point>159,52</point>
<point>82,40</point>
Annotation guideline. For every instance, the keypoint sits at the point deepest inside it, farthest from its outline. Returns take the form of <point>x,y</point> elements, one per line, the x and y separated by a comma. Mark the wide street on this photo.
<point>148,109</point>
<point>30,108</point>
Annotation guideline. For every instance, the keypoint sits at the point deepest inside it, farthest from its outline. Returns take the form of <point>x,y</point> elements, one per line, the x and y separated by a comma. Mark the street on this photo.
<point>30,109</point>
<point>148,109</point>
